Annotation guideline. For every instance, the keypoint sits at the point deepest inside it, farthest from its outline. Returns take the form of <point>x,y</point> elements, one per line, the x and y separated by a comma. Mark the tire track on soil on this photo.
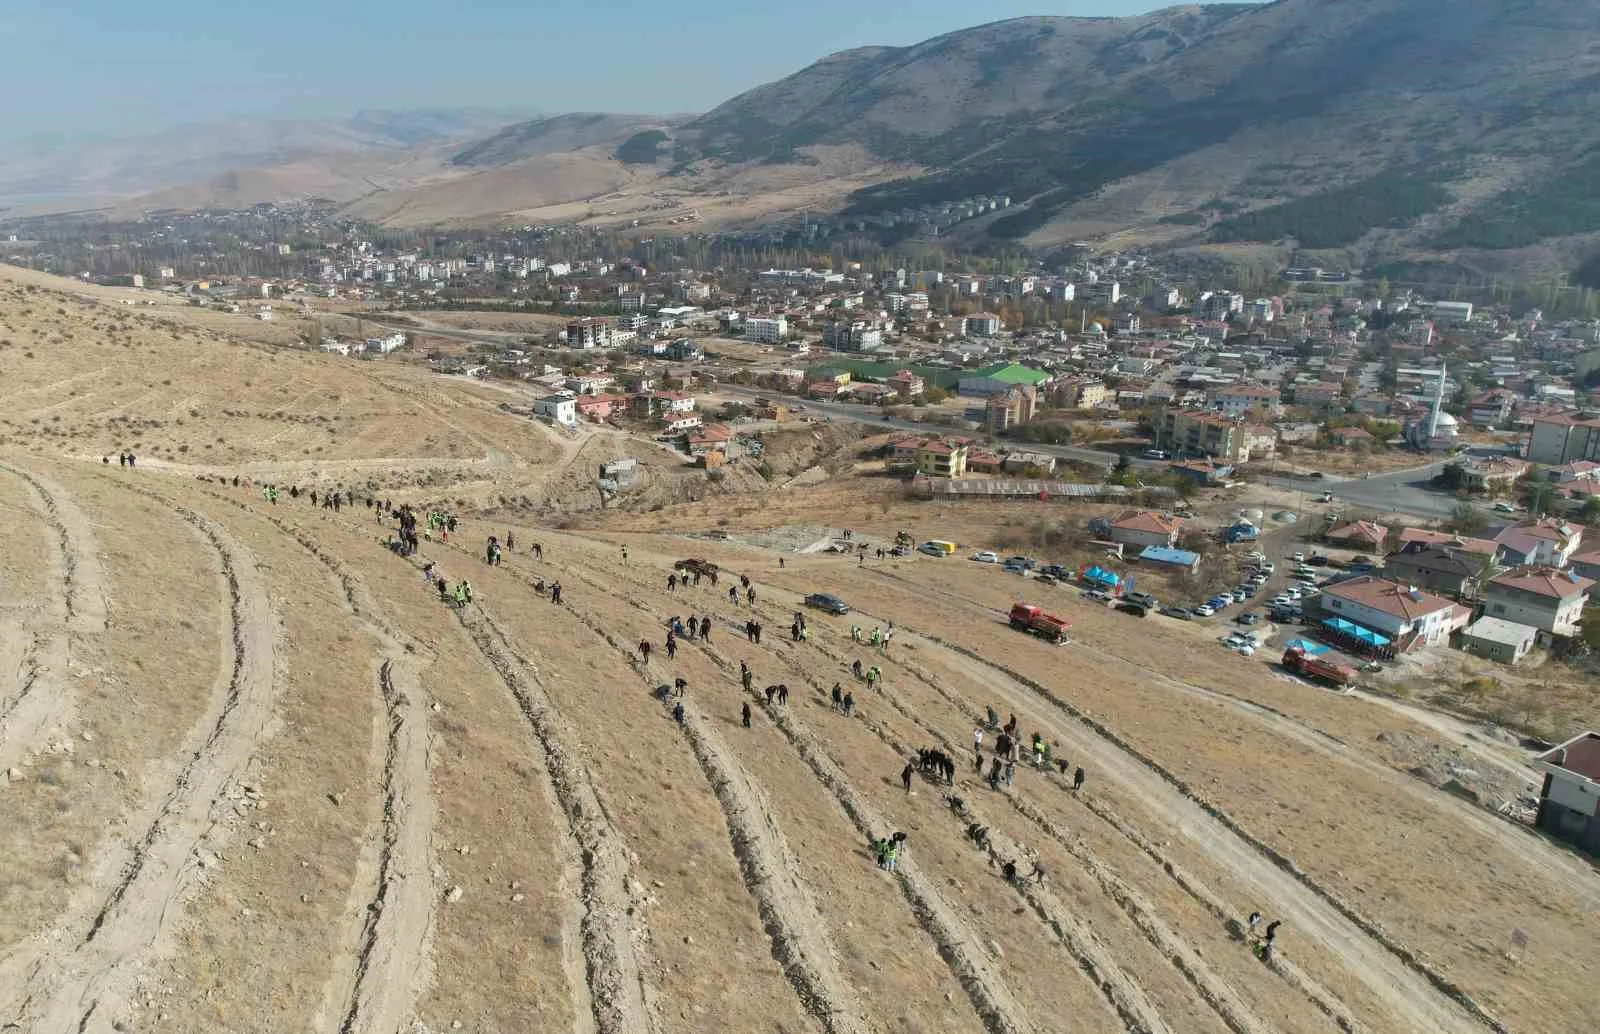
<point>392,963</point>
<point>794,924</point>
<point>989,994</point>
<point>86,987</point>
<point>65,633</point>
<point>618,997</point>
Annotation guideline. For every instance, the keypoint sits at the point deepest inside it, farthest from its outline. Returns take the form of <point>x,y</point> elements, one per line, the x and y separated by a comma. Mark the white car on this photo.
<point>1202,611</point>
<point>986,557</point>
<point>1504,508</point>
<point>1267,568</point>
<point>1298,558</point>
<point>1255,555</point>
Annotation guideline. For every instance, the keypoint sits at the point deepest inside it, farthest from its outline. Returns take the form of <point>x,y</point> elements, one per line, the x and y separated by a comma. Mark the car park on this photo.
<point>825,602</point>
<point>985,557</point>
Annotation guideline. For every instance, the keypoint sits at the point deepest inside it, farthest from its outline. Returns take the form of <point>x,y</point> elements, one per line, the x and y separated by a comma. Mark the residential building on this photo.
<point>1498,639</point>
<point>1547,598</point>
<point>598,407</point>
<point>1491,473</point>
<point>1018,462</point>
<point>1440,569</point>
<point>1481,549</point>
<point>852,336</point>
<point>1145,528</point>
<point>1363,535</point>
<point>768,330</point>
<point>1569,801</point>
<point>1203,472</point>
<point>1491,409</point>
<point>677,423</point>
<point>1403,614</point>
<point>710,438</point>
<point>1238,400</point>
<point>1561,438</point>
<point>1010,409</point>
<point>1078,393</point>
<point>1542,540</point>
<point>561,409</point>
<point>903,453</point>
<point>1585,564</point>
<point>672,402</point>
<point>906,384</point>
<point>1198,433</point>
<point>589,332</point>
<point>983,324</point>
<point>942,458</point>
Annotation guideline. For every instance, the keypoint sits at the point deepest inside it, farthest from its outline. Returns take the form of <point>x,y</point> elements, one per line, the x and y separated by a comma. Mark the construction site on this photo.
<point>260,773</point>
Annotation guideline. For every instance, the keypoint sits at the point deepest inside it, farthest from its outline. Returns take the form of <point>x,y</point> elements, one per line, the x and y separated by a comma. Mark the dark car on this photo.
<point>1056,571</point>
<point>1143,599</point>
<point>831,604</point>
<point>1317,560</point>
<point>1181,613</point>
<point>1315,474</point>
<point>1138,610</point>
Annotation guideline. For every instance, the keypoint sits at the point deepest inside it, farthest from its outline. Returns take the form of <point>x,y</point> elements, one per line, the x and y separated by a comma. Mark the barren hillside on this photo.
<point>256,776</point>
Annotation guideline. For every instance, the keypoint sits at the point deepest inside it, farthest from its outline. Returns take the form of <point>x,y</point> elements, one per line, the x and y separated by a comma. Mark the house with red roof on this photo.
<point>1363,535</point>
<point>1146,528</point>
<point>1404,614</point>
<point>1543,597</point>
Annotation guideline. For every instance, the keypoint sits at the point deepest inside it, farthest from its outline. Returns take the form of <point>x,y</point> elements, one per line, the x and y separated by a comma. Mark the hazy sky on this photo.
<point>115,66</point>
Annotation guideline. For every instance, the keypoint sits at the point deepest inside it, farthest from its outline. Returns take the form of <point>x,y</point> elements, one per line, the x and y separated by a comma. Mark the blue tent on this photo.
<point>1310,648</point>
<point>1100,576</point>
<point>1163,555</point>
<point>1365,636</point>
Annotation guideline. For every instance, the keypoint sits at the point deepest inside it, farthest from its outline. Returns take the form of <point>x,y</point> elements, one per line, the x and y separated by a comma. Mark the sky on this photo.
<point>119,67</point>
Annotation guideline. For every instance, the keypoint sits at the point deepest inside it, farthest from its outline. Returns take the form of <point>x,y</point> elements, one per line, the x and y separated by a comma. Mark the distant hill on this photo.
<point>554,135</point>
<point>186,157</point>
<point>1232,122</point>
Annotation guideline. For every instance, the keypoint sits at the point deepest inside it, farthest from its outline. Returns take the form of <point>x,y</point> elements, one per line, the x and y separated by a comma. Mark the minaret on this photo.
<point>1438,405</point>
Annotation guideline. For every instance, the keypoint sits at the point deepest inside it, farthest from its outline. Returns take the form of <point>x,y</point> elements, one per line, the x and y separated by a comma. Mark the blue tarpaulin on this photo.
<point>1356,632</point>
<point>1311,649</point>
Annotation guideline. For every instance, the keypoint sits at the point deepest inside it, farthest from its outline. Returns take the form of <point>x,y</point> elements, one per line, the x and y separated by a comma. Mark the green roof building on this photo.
<point>1002,377</point>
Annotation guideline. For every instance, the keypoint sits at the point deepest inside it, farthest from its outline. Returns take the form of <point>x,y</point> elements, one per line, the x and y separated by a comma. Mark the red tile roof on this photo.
<point>1545,581</point>
<point>1146,520</point>
<point>1391,598</point>
<point>1477,547</point>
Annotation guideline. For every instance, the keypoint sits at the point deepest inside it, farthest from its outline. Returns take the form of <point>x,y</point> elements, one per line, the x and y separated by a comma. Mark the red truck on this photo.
<point>1312,667</point>
<point>1025,617</point>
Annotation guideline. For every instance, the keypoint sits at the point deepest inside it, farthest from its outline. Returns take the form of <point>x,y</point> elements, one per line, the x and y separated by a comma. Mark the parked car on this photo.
<point>1204,611</point>
<point>1504,508</point>
<point>1298,558</point>
<point>1267,568</point>
<point>825,602</point>
<point>985,557</point>
<point>1255,555</point>
<point>1181,613</point>
<point>1127,606</point>
<point>1249,617</point>
<point>1022,562</point>
<point>1097,595</point>
<point>1055,571</point>
<point>1144,599</point>
<point>1247,591</point>
<point>931,549</point>
<point>1361,558</point>
<point>1155,454</point>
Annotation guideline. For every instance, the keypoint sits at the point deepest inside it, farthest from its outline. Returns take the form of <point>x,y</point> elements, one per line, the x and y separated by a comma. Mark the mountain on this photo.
<point>185,158</point>
<point>554,135</point>
<point>1230,122</point>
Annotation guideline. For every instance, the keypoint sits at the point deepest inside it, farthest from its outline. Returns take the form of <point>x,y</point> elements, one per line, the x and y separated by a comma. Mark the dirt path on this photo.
<point>86,987</point>
<point>63,637</point>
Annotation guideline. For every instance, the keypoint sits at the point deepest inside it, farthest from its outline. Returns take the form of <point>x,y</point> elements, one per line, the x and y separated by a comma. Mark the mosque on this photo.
<point>1437,432</point>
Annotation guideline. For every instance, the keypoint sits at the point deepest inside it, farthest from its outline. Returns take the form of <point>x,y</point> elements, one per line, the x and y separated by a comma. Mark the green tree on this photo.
<point>1591,509</point>
<point>1466,519</point>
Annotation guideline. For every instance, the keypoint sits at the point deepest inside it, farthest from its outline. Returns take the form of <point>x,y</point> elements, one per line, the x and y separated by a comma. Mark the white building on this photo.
<point>1452,312</point>
<point>1569,803</point>
<point>767,330</point>
<point>1395,610</point>
<point>560,409</point>
<point>1545,598</point>
<point>983,324</point>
